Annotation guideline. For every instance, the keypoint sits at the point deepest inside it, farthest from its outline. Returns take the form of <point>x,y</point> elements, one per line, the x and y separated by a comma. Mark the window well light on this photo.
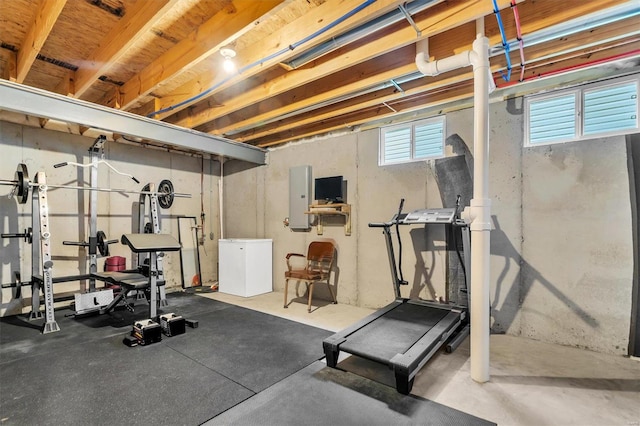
<point>228,54</point>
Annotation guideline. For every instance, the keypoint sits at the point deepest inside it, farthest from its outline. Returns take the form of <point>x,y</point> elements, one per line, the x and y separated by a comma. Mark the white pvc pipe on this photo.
<point>481,215</point>
<point>433,68</point>
<point>221,196</point>
<point>480,26</point>
<point>479,212</point>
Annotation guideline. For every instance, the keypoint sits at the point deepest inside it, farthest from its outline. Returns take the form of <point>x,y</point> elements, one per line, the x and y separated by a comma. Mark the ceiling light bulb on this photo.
<point>228,65</point>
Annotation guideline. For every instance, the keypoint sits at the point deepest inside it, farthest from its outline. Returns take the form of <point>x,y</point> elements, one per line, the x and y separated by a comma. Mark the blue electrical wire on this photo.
<point>505,45</point>
<point>268,58</point>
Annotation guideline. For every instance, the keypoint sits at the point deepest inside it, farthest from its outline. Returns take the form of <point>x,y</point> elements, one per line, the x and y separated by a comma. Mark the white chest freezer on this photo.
<point>245,266</point>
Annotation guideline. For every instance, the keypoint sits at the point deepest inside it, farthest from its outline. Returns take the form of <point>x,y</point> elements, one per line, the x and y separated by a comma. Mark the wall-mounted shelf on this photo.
<point>322,210</point>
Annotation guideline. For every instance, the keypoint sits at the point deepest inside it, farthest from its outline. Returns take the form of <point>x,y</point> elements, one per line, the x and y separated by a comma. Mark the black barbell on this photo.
<point>22,186</point>
<point>102,244</point>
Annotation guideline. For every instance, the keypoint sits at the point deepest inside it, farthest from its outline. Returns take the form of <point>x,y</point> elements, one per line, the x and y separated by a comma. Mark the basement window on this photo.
<point>596,110</point>
<point>414,141</point>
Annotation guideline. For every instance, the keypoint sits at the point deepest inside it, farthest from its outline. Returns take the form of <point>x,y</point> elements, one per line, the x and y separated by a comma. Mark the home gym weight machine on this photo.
<point>405,334</point>
<point>21,188</point>
<point>147,277</point>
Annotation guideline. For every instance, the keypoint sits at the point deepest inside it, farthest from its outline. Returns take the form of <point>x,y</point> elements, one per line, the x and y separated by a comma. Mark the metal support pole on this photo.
<point>50,324</point>
<point>35,259</point>
<point>153,297</point>
<point>155,221</point>
<point>94,153</point>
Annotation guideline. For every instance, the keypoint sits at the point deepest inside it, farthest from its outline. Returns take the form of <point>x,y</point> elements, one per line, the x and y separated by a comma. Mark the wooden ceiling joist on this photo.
<point>275,43</point>
<point>163,55</point>
<point>207,39</point>
<point>134,25</point>
<point>440,18</point>
<point>415,99</point>
<point>401,67</point>
<point>41,26</point>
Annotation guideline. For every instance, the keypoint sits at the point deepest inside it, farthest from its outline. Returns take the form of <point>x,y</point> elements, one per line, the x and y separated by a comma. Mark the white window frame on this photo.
<point>412,126</point>
<point>579,93</point>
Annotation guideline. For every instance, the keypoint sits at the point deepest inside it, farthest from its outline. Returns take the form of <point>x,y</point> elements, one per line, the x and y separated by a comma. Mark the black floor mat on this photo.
<point>250,347</point>
<point>318,395</point>
<point>238,367</point>
<point>84,374</point>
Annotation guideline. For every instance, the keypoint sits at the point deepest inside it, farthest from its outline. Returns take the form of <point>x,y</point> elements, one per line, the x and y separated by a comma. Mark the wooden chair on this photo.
<point>317,268</point>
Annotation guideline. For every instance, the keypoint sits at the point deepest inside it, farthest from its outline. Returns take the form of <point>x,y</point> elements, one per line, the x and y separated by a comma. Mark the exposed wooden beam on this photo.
<point>375,72</point>
<point>452,41</point>
<point>421,97</point>
<point>276,42</point>
<point>11,69</point>
<point>43,23</point>
<point>389,94</point>
<point>134,25</point>
<point>380,71</point>
<point>586,40</point>
<point>435,20</point>
<point>67,84</point>
<point>434,85</point>
<point>223,28</point>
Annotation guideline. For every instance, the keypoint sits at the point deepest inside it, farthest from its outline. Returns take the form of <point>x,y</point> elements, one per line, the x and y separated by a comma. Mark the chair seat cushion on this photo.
<point>303,274</point>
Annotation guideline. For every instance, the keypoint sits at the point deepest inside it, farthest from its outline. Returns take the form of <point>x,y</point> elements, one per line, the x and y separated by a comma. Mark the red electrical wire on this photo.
<point>630,54</point>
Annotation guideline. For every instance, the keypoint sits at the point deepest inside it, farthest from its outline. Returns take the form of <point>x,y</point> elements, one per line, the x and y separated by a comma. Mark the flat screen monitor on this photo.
<point>329,189</point>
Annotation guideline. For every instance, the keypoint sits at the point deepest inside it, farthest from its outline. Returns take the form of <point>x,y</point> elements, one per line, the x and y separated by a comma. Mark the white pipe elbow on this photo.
<point>426,67</point>
<point>433,68</point>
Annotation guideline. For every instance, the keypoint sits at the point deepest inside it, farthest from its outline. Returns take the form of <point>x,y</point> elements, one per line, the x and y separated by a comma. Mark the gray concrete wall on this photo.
<point>577,253</point>
<point>69,209</point>
<point>561,245</point>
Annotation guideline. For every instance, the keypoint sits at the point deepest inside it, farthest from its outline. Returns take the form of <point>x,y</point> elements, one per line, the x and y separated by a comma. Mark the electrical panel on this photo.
<point>299,196</point>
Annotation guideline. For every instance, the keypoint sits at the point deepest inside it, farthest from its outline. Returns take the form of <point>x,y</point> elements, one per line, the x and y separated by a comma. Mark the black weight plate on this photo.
<point>103,245</point>
<point>18,283</point>
<point>22,178</point>
<point>165,194</point>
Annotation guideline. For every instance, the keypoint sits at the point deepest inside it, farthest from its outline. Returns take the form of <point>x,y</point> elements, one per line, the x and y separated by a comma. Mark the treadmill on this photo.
<point>405,334</point>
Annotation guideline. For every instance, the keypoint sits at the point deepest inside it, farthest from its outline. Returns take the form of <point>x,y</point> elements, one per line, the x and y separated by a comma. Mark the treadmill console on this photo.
<point>430,216</point>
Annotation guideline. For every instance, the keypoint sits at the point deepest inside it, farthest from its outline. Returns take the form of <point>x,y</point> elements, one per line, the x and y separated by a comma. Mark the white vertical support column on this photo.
<point>479,213</point>
<point>480,210</point>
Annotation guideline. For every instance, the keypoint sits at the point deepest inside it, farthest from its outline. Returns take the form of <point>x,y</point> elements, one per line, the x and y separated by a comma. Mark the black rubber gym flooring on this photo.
<point>253,367</point>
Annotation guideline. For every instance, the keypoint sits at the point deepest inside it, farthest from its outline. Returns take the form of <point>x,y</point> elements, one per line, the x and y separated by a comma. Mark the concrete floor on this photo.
<point>532,383</point>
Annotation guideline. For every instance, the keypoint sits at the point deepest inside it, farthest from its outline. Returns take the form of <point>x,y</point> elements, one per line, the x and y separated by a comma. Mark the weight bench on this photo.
<point>128,281</point>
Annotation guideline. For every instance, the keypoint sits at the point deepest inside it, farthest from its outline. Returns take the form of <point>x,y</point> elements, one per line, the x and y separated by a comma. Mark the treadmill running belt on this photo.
<point>393,333</point>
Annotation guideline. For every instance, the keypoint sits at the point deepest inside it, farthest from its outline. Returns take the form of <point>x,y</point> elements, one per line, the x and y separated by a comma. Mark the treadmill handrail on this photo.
<point>381,224</point>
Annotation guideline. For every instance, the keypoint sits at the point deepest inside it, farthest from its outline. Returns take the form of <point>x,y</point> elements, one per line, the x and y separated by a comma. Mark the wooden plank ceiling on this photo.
<point>162,58</point>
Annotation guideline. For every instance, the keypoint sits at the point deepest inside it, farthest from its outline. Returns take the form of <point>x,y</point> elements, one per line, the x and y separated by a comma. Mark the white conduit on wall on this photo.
<point>478,214</point>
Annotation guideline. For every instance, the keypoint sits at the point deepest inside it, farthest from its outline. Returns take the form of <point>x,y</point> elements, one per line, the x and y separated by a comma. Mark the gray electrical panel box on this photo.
<point>299,196</point>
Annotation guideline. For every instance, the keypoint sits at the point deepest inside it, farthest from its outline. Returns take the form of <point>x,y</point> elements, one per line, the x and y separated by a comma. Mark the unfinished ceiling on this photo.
<point>303,67</point>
